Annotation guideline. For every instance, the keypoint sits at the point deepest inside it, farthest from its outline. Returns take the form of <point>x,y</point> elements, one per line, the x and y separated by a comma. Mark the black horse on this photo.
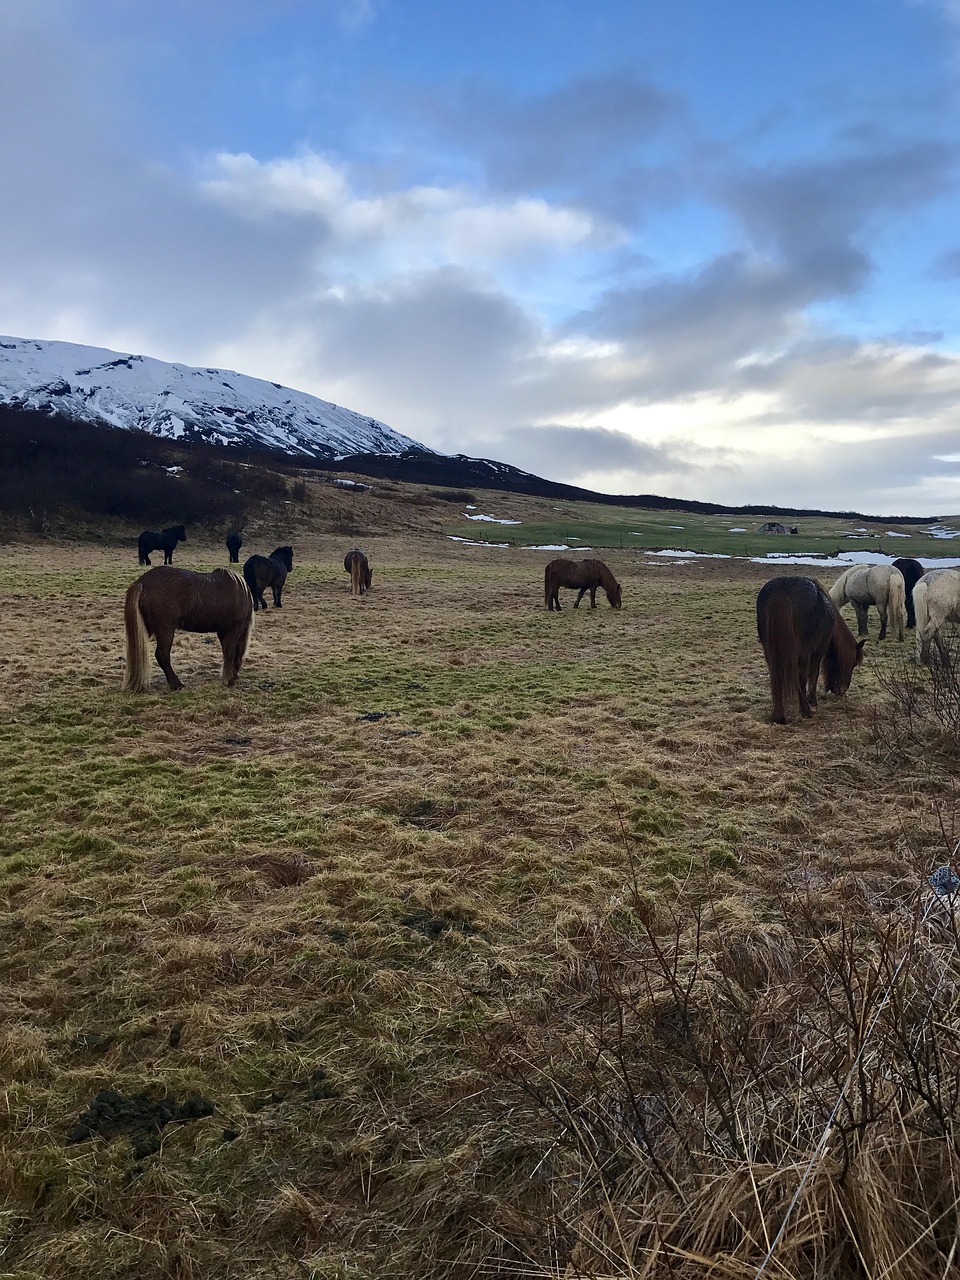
<point>164,541</point>
<point>268,571</point>
<point>912,571</point>
<point>234,543</point>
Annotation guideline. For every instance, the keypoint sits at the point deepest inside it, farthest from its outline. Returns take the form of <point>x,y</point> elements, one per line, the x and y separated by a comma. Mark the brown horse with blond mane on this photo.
<point>801,629</point>
<point>166,600</point>
<point>588,575</point>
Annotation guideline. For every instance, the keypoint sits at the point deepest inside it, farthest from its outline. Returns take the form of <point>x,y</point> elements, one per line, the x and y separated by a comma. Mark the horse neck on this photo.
<point>842,650</point>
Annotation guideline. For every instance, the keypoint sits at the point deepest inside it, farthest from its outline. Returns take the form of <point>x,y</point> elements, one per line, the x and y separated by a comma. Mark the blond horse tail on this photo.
<point>355,576</point>
<point>897,604</point>
<point>921,611</point>
<point>252,618</point>
<point>138,647</point>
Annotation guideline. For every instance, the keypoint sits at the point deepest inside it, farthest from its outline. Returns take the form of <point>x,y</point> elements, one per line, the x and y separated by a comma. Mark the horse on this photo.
<point>268,571</point>
<point>912,571</point>
<point>936,598</point>
<point>166,599</point>
<point>585,574</point>
<point>801,629</point>
<point>879,584</point>
<point>361,575</point>
<point>234,543</point>
<point>164,541</point>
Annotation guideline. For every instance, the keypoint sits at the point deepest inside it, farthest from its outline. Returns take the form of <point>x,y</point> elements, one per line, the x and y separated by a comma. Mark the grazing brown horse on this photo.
<point>358,567</point>
<point>164,541</point>
<point>234,543</point>
<point>268,571</point>
<point>585,574</point>
<point>912,571</point>
<point>800,628</point>
<point>166,599</point>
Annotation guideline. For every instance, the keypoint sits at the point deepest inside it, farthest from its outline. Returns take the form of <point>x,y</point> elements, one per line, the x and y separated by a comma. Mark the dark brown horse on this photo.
<point>585,574</point>
<point>234,543</point>
<point>361,575</point>
<point>800,628</point>
<point>268,571</point>
<point>167,599</point>
<point>164,541</point>
<point>912,571</point>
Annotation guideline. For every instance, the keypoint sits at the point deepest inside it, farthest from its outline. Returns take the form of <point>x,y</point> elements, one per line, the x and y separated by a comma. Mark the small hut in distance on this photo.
<point>774,526</point>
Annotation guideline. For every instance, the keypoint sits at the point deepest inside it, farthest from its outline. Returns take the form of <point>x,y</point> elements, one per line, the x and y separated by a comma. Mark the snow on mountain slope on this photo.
<point>180,402</point>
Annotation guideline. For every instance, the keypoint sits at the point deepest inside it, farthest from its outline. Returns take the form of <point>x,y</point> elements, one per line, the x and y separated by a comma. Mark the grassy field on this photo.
<point>362,947</point>
<point>542,523</point>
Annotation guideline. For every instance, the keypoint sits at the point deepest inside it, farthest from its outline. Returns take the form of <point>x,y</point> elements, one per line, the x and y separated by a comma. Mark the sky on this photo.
<point>706,248</point>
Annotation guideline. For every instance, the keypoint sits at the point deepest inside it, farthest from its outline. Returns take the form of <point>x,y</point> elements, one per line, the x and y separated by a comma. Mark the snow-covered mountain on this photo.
<point>181,403</point>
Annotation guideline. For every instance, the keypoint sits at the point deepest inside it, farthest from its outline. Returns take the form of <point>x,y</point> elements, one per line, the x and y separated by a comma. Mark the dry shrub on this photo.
<point>921,711</point>
<point>783,1102</point>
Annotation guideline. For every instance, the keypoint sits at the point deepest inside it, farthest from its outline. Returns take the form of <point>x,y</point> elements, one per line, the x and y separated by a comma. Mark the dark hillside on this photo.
<point>460,471</point>
<point>53,468</point>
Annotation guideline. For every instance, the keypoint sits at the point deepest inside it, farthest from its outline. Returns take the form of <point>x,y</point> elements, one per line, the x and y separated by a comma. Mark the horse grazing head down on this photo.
<point>843,657</point>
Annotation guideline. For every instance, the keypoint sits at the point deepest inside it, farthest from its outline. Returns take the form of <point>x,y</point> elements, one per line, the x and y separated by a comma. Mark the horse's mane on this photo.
<point>843,654</point>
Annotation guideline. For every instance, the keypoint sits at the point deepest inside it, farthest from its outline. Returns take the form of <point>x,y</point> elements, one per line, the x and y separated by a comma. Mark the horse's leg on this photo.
<point>861,612</point>
<point>582,593</point>
<point>882,610</point>
<point>807,703</point>
<point>276,596</point>
<point>232,644</point>
<point>942,649</point>
<point>593,597</point>
<point>554,600</point>
<point>164,645</point>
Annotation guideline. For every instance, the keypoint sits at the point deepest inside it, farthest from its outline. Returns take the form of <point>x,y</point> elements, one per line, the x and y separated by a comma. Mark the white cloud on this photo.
<point>416,228</point>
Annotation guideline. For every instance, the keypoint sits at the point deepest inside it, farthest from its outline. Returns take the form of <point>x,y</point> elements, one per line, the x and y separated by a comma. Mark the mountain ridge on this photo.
<point>185,402</point>
<point>237,413</point>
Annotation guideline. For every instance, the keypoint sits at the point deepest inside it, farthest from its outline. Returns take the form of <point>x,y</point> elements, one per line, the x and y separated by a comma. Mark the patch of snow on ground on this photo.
<point>892,533</point>
<point>686,555</point>
<point>493,519</point>
<point>847,558</point>
<point>938,531</point>
<point>560,546</point>
<point>737,531</point>
<point>468,542</point>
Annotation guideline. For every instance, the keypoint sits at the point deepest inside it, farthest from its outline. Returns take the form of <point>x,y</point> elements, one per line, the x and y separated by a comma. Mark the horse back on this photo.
<point>190,601</point>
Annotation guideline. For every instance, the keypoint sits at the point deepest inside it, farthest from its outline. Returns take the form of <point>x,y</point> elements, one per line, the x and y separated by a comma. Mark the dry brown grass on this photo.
<point>436,834</point>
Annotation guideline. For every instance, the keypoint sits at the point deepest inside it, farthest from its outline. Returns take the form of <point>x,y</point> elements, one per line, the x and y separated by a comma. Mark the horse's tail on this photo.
<point>897,604</point>
<point>779,640</point>
<point>355,575</point>
<point>138,648</point>
<point>250,577</point>
<point>244,588</point>
<point>921,608</point>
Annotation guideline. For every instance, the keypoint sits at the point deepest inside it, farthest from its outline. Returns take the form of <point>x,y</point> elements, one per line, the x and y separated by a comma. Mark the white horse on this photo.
<point>936,599</point>
<point>879,584</point>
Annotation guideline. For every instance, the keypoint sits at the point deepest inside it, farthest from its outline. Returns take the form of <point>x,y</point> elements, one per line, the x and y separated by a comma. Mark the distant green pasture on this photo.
<point>591,525</point>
